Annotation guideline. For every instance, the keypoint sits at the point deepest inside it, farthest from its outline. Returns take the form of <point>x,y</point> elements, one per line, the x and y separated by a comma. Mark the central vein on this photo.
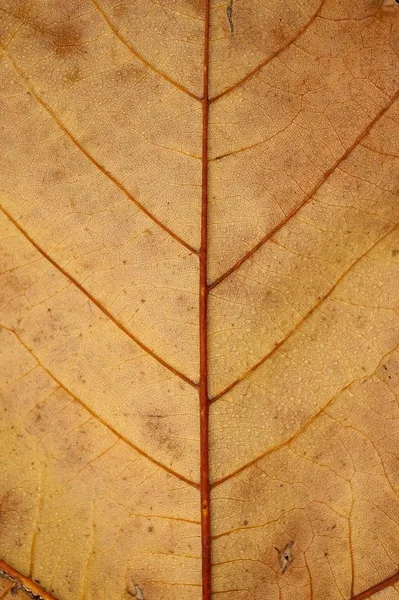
<point>203,311</point>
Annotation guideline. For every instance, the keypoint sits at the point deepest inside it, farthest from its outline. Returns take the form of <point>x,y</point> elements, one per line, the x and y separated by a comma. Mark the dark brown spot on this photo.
<point>67,39</point>
<point>64,38</point>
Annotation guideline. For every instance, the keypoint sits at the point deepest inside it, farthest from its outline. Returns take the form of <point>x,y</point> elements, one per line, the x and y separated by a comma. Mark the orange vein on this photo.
<point>271,57</point>
<point>301,322</point>
<point>100,419</point>
<point>97,303</point>
<point>27,584</point>
<point>203,326</point>
<point>378,587</point>
<point>307,197</point>
<point>99,166</point>
<point>303,428</point>
<point>140,57</point>
<point>284,443</point>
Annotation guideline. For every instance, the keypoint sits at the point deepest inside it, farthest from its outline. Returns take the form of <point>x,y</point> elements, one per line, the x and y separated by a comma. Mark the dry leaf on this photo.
<point>199,209</point>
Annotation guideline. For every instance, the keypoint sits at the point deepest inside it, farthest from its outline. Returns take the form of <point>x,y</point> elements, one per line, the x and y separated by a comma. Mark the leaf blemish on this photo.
<point>285,556</point>
<point>229,12</point>
<point>134,591</point>
<point>64,39</point>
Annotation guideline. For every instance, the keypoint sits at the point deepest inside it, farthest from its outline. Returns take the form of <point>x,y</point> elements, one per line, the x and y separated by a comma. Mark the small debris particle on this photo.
<point>285,556</point>
<point>229,11</point>
<point>139,593</point>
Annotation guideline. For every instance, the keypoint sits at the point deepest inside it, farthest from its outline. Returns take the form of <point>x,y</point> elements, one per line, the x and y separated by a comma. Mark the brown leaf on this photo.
<point>199,299</point>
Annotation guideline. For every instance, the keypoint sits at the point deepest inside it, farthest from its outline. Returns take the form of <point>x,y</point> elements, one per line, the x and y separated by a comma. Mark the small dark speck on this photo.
<point>245,522</point>
<point>150,529</point>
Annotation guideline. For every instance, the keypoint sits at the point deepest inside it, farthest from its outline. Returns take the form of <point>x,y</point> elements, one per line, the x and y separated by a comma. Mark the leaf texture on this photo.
<point>199,324</point>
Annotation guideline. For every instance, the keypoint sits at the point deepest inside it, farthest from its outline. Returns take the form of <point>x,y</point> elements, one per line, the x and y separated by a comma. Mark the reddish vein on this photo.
<point>140,57</point>
<point>378,587</point>
<point>23,582</point>
<point>100,306</point>
<point>309,196</point>
<point>203,285</point>
<point>298,326</point>
<point>264,62</point>
<point>91,158</point>
<point>96,416</point>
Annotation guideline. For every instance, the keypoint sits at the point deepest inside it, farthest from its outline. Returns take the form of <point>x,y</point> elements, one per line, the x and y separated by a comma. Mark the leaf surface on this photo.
<point>199,299</point>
